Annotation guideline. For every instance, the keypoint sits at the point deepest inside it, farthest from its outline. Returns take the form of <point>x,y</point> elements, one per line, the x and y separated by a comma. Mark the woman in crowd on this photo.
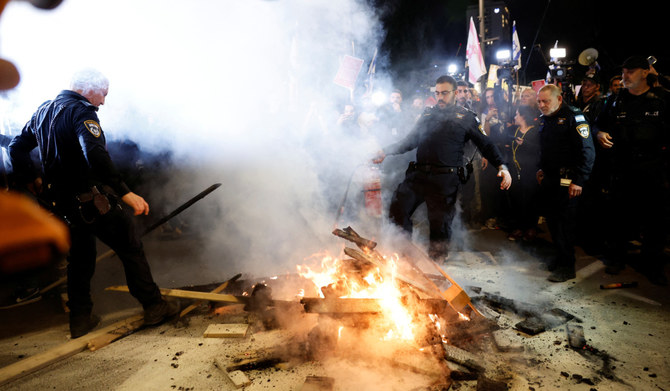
<point>525,162</point>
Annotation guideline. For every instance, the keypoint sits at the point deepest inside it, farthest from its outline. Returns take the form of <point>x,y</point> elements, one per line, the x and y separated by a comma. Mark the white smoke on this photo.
<point>240,92</point>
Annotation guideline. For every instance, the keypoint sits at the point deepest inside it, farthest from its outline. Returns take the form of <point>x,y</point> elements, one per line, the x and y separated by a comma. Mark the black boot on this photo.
<point>82,324</point>
<point>562,274</point>
<point>158,313</point>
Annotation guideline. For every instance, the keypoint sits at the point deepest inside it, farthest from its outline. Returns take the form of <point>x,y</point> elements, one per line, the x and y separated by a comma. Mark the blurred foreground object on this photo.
<point>30,237</point>
<point>9,75</point>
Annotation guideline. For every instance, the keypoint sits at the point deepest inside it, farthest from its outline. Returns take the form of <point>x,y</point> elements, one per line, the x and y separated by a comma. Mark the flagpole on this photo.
<point>481,28</point>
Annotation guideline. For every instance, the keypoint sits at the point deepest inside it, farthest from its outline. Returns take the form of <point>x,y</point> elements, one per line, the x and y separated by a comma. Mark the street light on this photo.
<point>556,53</point>
<point>503,56</point>
<point>452,69</point>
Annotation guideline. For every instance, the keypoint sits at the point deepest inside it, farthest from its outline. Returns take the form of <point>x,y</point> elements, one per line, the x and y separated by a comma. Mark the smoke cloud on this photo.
<point>237,92</point>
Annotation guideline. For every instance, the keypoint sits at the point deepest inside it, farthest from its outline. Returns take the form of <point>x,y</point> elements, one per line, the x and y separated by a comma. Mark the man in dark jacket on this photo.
<point>81,185</point>
<point>439,138</point>
<point>566,160</point>
<point>634,125</point>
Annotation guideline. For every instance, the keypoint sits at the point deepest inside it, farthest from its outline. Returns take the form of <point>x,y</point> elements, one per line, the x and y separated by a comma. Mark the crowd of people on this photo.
<point>596,171</point>
<point>573,162</point>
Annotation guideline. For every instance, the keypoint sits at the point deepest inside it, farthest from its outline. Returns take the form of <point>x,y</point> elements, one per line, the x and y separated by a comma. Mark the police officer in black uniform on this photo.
<point>82,186</point>
<point>439,137</point>
<point>566,159</point>
<point>635,126</point>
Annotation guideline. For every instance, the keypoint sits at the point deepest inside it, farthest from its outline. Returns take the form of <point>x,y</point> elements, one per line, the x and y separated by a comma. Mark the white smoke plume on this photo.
<point>238,92</point>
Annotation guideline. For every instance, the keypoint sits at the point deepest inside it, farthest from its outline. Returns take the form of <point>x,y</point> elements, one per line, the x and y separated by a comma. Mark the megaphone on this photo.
<point>588,57</point>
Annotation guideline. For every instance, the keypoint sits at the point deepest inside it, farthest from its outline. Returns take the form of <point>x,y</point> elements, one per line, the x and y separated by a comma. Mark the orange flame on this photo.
<point>375,284</point>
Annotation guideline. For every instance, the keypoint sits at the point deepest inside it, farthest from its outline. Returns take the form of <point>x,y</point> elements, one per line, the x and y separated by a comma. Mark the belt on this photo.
<point>432,169</point>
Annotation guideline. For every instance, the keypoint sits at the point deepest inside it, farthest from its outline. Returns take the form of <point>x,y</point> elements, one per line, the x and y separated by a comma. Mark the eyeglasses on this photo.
<point>443,93</point>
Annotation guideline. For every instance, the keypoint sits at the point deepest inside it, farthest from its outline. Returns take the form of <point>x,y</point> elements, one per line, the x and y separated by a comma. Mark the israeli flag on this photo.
<point>516,47</point>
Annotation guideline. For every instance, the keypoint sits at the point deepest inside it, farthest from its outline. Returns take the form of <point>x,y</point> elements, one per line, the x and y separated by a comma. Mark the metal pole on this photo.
<point>482,36</point>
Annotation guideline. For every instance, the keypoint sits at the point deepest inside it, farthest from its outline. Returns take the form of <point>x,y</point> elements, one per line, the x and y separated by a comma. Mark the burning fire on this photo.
<point>371,284</point>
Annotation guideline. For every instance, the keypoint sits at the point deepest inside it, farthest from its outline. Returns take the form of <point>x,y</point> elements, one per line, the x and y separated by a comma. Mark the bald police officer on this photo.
<point>439,137</point>
<point>567,155</point>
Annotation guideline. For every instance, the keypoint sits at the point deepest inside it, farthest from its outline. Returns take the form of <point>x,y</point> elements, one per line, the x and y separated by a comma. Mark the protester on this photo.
<point>524,166</point>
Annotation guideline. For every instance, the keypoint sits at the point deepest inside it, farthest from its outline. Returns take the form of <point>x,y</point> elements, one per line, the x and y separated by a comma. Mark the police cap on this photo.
<point>592,77</point>
<point>634,62</point>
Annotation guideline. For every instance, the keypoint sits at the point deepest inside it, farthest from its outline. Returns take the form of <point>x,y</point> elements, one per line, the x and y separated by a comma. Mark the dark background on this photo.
<point>427,33</point>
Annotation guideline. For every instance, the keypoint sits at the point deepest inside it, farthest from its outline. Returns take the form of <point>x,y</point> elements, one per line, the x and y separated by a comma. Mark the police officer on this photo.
<point>566,159</point>
<point>634,126</point>
<point>84,188</point>
<point>439,137</point>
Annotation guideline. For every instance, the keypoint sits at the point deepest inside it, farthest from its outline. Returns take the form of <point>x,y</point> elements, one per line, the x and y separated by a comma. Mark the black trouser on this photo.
<point>117,230</point>
<point>561,213</point>
<point>639,199</point>
<point>438,191</point>
<point>523,200</point>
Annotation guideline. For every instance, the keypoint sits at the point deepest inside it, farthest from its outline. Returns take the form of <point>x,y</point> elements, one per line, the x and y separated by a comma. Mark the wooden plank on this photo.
<point>226,330</point>
<point>318,383</point>
<point>339,306</point>
<point>120,332</point>
<point>184,294</point>
<point>41,360</point>
<point>218,289</point>
<point>375,260</point>
<point>238,378</point>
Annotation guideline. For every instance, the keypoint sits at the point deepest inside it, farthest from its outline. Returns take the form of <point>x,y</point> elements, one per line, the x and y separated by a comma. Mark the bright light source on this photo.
<point>378,98</point>
<point>496,10</point>
<point>503,55</point>
<point>557,52</point>
<point>452,69</point>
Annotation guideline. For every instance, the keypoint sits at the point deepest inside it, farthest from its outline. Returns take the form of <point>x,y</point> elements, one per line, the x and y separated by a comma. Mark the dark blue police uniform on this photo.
<point>566,156</point>
<point>640,130</point>
<point>439,138</point>
<point>74,159</point>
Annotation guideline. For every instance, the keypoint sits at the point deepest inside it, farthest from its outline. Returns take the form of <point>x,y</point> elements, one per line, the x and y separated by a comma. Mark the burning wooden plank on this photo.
<point>455,295</point>
<point>351,235</point>
<point>380,263</point>
<point>338,306</point>
<point>371,306</point>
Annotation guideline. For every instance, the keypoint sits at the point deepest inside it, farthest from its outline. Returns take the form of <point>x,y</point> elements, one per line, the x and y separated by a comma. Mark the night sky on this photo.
<point>427,32</point>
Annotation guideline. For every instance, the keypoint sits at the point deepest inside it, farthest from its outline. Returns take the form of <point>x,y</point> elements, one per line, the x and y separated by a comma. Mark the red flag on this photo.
<point>348,72</point>
<point>474,56</point>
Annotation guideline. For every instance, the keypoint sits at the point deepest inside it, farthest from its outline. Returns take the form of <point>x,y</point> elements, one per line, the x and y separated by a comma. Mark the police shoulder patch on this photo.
<point>93,127</point>
<point>583,130</point>
<point>460,115</point>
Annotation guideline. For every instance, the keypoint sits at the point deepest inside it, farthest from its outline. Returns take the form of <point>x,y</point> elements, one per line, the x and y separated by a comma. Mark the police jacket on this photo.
<point>440,135</point>
<point>566,145</point>
<point>72,149</point>
<point>639,126</point>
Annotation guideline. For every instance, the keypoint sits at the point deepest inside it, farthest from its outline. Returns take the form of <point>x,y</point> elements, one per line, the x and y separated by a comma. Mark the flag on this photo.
<point>348,72</point>
<point>473,53</point>
<point>371,74</point>
<point>516,47</point>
